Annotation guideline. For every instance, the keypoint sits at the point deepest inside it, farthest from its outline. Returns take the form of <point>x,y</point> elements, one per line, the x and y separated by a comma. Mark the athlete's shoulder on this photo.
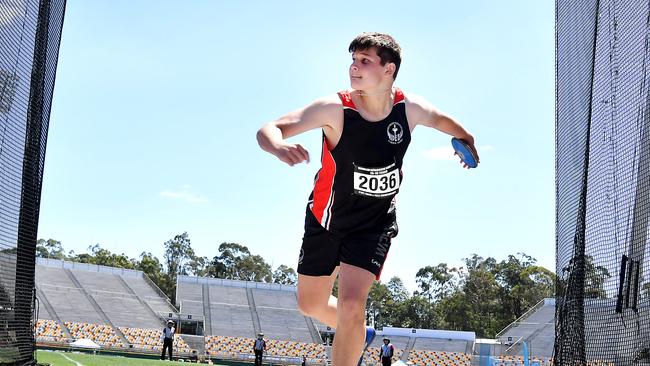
<point>328,106</point>
<point>328,101</point>
<point>418,109</point>
<point>415,100</point>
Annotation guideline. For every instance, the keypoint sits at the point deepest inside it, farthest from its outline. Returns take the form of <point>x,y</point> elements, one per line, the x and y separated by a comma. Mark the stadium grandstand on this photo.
<point>536,327</point>
<point>122,311</point>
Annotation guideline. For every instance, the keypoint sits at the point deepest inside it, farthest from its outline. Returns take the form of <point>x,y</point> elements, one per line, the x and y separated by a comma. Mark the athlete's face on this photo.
<point>367,72</point>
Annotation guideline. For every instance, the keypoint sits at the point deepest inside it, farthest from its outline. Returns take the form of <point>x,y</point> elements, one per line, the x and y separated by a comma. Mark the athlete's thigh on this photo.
<point>315,289</point>
<point>354,283</point>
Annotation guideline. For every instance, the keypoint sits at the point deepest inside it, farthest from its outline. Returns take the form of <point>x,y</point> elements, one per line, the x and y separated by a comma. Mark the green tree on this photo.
<point>236,262</point>
<point>481,292</point>
<point>8,82</point>
<point>285,275</point>
<point>595,277</point>
<point>253,268</point>
<point>378,302</point>
<point>103,257</point>
<point>224,265</point>
<point>455,312</point>
<point>198,266</point>
<point>522,285</point>
<point>49,248</point>
<point>436,282</point>
<point>9,251</point>
<point>178,253</point>
<point>151,266</point>
<point>416,312</point>
<point>397,290</point>
<point>474,304</point>
<point>397,294</point>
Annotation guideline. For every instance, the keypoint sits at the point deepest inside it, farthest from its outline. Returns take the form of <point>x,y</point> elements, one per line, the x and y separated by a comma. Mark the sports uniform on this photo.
<point>350,215</point>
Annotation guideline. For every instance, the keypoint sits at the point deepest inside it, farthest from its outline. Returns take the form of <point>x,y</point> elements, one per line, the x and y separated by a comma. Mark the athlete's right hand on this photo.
<point>291,154</point>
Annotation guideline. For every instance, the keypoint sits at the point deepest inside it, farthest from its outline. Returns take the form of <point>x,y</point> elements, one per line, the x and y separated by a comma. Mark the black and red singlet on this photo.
<point>360,176</point>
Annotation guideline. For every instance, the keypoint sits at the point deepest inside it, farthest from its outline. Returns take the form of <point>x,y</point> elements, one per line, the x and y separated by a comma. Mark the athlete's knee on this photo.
<point>351,310</point>
<point>310,306</point>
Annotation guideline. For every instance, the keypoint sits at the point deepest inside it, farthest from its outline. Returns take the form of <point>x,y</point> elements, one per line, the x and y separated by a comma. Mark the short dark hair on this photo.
<point>387,47</point>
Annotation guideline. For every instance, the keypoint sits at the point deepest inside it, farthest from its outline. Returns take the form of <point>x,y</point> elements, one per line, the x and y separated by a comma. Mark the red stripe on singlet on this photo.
<point>346,99</point>
<point>399,96</point>
<point>323,188</point>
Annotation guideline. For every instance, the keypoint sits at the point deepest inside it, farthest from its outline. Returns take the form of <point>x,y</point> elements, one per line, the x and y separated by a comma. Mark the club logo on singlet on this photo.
<point>395,133</point>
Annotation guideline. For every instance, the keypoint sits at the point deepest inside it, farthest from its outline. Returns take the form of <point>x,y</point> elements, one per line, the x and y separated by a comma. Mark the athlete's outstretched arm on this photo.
<point>421,112</point>
<point>319,114</point>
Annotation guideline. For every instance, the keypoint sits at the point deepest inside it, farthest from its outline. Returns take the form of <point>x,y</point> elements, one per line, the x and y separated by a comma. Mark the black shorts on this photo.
<point>323,250</point>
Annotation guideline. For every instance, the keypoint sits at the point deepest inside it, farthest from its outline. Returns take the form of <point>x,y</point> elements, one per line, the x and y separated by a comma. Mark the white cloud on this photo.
<point>183,195</point>
<point>485,148</point>
<point>447,152</point>
<point>439,153</point>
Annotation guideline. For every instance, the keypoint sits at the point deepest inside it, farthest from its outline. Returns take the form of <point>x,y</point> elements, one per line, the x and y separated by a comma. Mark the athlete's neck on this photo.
<point>375,102</point>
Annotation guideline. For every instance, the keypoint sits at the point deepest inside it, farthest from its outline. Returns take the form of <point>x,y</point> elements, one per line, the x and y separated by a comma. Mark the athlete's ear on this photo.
<point>389,69</point>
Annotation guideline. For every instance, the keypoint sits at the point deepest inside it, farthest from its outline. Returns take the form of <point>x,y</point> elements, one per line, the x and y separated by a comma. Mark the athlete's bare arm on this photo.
<point>325,113</point>
<point>420,112</point>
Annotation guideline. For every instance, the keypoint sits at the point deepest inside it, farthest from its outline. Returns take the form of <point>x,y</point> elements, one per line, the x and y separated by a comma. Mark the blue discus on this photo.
<point>464,152</point>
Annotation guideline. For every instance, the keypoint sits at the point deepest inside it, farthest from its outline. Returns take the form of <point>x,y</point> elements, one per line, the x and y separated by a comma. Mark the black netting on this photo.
<point>30,32</point>
<point>602,182</point>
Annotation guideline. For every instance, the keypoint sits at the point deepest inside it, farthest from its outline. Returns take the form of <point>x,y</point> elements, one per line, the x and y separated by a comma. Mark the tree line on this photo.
<point>484,295</point>
<point>233,261</point>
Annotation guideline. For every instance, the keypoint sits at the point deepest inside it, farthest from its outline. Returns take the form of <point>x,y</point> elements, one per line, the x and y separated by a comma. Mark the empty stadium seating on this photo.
<point>149,293</point>
<point>92,294</point>
<point>437,358</point>
<point>279,315</point>
<point>231,312</point>
<point>235,347</point>
<point>101,334</point>
<point>536,328</point>
<point>49,331</point>
<point>121,310</point>
<point>240,348</point>
<point>150,339</point>
<point>69,302</point>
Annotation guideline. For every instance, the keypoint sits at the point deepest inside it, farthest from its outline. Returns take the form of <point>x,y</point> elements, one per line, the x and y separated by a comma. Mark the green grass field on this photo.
<point>57,358</point>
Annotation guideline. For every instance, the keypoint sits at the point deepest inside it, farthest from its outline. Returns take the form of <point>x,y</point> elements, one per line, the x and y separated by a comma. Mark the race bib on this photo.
<point>376,182</point>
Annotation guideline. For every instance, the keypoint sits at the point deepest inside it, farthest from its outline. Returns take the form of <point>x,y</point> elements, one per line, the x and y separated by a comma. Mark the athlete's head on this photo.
<point>382,45</point>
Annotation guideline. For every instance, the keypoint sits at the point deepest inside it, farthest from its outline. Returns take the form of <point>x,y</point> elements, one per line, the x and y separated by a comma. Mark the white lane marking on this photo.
<point>71,360</point>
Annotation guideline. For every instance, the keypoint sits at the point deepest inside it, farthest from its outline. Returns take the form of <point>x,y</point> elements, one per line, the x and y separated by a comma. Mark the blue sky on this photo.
<point>156,106</point>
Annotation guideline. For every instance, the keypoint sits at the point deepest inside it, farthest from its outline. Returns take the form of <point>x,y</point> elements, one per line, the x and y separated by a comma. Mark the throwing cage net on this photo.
<point>30,32</point>
<point>602,182</point>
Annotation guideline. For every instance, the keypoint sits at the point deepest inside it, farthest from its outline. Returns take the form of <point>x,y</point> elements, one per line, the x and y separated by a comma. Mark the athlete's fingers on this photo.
<point>304,154</point>
<point>286,158</point>
<point>285,155</point>
<point>292,154</point>
<point>296,157</point>
<point>292,159</point>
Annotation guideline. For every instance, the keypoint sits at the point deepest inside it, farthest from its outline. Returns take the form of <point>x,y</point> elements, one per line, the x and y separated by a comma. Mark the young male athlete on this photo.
<point>350,216</point>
